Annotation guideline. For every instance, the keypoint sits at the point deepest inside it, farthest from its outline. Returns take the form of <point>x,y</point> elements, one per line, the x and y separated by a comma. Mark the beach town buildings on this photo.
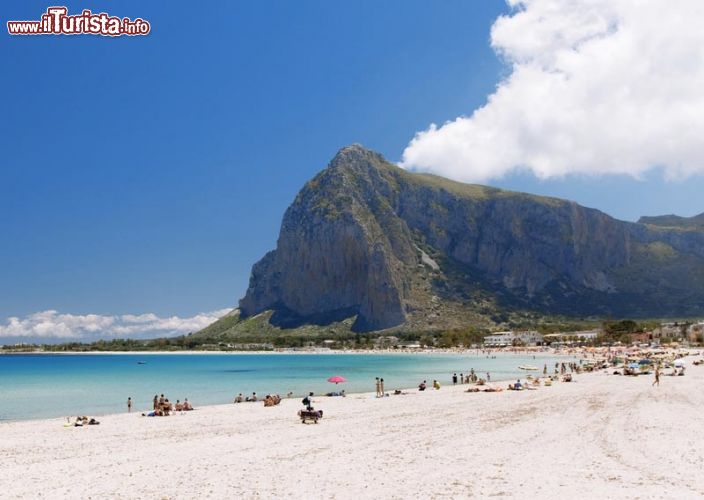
<point>386,341</point>
<point>510,338</point>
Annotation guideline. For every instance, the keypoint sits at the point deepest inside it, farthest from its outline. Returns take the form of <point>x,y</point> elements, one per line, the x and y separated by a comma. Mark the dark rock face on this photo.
<point>350,243</point>
<point>341,247</point>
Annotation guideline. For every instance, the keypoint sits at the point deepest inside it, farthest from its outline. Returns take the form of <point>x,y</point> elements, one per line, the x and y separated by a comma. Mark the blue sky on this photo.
<point>147,174</point>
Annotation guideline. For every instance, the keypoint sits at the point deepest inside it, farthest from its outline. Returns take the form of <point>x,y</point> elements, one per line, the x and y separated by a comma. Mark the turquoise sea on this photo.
<point>44,385</point>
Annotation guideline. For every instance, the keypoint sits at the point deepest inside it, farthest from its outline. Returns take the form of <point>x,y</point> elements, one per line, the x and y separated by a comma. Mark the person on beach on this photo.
<point>239,398</point>
<point>422,386</point>
<point>129,405</point>
<point>156,402</point>
<point>657,376</point>
<point>454,379</point>
<point>381,387</point>
<point>488,377</point>
<point>436,385</point>
<point>378,387</point>
<point>308,401</point>
<point>161,400</point>
<point>461,378</point>
<point>545,369</point>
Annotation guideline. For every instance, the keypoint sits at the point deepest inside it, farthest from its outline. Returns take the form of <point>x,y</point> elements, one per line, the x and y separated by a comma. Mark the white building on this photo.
<point>499,339</point>
<point>529,338</point>
<point>504,339</point>
<point>569,337</point>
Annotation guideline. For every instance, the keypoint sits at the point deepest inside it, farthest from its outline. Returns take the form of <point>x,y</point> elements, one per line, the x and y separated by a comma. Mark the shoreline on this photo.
<point>370,352</point>
<point>572,438</point>
<point>295,397</point>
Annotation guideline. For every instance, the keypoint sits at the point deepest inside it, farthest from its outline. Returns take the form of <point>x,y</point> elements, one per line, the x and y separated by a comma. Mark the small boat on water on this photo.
<point>141,362</point>
<point>527,367</point>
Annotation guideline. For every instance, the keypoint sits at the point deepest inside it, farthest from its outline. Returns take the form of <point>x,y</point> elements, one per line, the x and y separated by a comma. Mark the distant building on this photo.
<point>529,338</point>
<point>409,345</point>
<point>671,330</point>
<point>499,339</point>
<point>570,337</point>
<point>386,341</point>
<point>504,339</point>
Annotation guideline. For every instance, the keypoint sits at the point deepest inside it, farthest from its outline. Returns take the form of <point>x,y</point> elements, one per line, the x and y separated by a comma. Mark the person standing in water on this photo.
<point>129,405</point>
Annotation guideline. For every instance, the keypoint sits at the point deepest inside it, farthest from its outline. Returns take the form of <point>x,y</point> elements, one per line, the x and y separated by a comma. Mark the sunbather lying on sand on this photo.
<point>81,421</point>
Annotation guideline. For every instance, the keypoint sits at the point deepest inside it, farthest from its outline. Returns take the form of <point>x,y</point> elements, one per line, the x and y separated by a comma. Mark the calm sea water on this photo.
<point>39,386</point>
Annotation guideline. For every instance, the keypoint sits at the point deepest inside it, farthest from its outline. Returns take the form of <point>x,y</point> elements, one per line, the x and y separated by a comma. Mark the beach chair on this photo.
<point>310,415</point>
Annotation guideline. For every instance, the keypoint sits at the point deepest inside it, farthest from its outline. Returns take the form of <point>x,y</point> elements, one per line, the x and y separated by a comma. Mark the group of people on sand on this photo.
<point>424,385</point>
<point>470,378</point>
<point>380,393</point>
<point>269,399</point>
<point>561,368</point>
<point>162,407</point>
<point>81,421</point>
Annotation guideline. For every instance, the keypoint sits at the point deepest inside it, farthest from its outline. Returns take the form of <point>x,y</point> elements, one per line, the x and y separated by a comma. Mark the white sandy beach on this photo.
<point>603,436</point>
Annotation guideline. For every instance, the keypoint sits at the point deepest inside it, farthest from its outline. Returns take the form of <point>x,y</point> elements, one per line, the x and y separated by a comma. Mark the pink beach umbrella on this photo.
<point>337,379</point>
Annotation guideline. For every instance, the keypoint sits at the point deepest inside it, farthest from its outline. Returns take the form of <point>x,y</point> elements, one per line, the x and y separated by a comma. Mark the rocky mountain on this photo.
<point>373,244</point>
<point>696,222</point>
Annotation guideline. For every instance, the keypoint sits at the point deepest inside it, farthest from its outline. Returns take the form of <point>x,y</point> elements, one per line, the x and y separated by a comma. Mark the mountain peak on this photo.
<point>356,155</point>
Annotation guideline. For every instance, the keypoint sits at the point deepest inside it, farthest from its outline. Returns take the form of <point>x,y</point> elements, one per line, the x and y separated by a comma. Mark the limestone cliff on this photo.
<point>366,239</point>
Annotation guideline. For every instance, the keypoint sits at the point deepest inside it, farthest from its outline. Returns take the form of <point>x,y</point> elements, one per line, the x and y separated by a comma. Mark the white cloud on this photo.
<point>596,87</point>
<point>54,325</point>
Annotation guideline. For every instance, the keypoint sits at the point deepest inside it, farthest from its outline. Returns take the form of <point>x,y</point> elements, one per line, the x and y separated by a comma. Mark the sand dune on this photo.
<point>602,436</point>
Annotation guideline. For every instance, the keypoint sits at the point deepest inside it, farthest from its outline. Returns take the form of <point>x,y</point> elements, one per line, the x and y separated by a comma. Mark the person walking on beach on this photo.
<point>381,387</point>
<point>129,405</point>
<point>657,376</point>
<point>378,387</point>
